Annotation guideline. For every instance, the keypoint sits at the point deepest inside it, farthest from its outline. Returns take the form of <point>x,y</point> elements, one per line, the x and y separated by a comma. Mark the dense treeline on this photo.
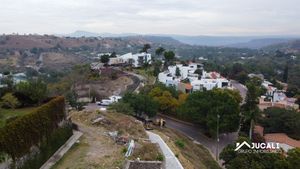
<point>20,135</point>
<point>205,107</point>
<point>278,120</point>
<point>198,107</point>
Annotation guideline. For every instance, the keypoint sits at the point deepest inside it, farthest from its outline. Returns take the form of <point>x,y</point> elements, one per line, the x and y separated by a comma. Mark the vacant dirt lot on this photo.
<point>97,149</point>
<point>104,88</point>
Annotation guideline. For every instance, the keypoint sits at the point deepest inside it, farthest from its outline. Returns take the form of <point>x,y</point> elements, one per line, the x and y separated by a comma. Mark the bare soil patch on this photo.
<point>97,149</point>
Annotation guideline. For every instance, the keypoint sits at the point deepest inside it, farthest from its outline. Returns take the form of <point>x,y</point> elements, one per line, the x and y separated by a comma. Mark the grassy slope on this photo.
<point>7,113</point>
<point>191,155</point>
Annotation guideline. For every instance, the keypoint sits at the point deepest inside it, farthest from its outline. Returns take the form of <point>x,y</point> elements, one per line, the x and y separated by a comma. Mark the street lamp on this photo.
<point>217,149</point>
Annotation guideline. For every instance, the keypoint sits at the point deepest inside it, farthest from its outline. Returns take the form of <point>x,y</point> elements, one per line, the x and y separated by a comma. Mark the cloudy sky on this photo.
<point>188,17</point>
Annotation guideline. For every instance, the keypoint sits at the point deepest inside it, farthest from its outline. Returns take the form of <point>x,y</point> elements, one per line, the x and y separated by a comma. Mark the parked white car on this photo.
<point>106,102</point>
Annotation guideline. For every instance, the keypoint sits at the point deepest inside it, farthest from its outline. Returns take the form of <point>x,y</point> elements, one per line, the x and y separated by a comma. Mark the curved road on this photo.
<point>194,133</point>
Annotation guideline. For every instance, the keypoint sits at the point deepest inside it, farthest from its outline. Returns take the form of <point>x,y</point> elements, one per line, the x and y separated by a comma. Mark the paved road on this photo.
<point>241,88</point>
<point>141,78</point>
<point>194,133</point>
<point>171,161</point>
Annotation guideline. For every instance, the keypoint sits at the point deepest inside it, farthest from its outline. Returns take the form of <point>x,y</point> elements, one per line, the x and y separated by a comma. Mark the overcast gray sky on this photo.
<point>188,17</point>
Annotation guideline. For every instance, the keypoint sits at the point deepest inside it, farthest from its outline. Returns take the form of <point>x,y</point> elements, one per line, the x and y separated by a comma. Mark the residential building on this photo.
<point>285,142</point>
<point>209,84</point>
<point>194,75</point>
<point>136,60</point>
<point>276,98</point>
<point>19,77</point>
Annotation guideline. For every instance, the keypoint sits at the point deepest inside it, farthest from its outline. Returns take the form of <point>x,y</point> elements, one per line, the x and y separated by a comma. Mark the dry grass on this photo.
<point>191,155</point>
<point>146,152</point>
<point>98,150</point>
<point>104,87</point>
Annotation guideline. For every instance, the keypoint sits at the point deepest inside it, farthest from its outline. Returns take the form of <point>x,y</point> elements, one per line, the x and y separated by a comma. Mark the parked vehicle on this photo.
<point>106,102</point>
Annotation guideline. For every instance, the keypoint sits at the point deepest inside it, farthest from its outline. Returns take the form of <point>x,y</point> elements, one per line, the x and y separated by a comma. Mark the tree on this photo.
<point>241,77</point>
<point>199,72</point>
<point>142,104</point>
<point>250,109</point>
<point>169,56</point>
<point>146,47</point>
<point>122,107</point>
<point>9,100</point>
<point>36,90</point>
<point>293,158</point>
<point>182,98</point>
<point>204,107</point>
<point>177,73</point>
<point>282,121</point>
<point>167,103</point>
<point>285,73</point>
<point>72,98</point>
<point>234,160</point>
<point>105,59</point>
<point>157,65</point>
<point>113,55</point>
<point>159,51</point>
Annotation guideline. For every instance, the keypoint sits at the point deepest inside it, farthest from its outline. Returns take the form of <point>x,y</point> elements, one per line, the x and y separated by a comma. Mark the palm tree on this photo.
<point>251,110</point>
<point>252,116</point>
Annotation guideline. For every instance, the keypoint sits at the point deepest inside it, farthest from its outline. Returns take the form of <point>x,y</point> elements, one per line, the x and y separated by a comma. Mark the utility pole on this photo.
<point>217,148</point>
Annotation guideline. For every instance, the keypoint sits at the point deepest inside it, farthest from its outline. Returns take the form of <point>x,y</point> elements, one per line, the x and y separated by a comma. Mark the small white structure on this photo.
<point>115,61</point>
<point>96,65</point>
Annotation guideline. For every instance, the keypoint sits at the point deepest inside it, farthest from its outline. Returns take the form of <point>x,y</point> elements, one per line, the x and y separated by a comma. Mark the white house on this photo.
<point>209,84</point>
<point>185,70</point>
<point>19,77</point>
<point>137,60</point>
<point>168,79</point>
<point>207,80</point>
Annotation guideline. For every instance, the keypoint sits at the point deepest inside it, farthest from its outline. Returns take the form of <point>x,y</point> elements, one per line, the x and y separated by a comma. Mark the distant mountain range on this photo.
<point>252,42</point>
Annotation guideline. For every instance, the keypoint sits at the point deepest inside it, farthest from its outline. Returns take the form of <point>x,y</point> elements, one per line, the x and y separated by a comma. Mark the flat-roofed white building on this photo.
<point>209,84</point>
<point>198,81</point>
<point>137,60</point>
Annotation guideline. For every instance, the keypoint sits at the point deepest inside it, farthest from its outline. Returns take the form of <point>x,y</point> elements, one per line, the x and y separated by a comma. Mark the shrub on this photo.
<point>124,150</point>
<point>21,134</point>
<point>179,143</point>
<point>122,107</point>
<point>47,149</point>
<point>160,157</point>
